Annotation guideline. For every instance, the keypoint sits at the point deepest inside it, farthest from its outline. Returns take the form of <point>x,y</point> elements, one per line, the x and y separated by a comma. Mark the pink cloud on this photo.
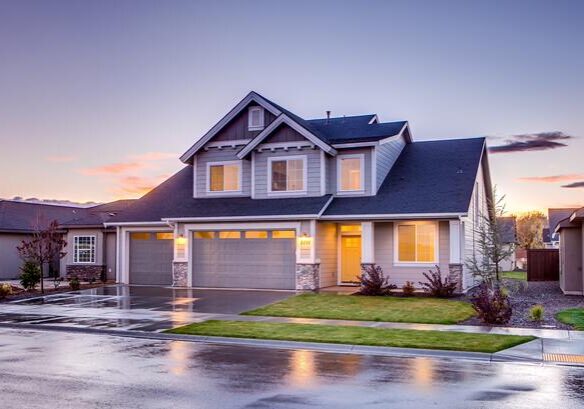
<point>113,169</point>
<point>552,178</point>
<point>136,186</point>
<point>154,156</point>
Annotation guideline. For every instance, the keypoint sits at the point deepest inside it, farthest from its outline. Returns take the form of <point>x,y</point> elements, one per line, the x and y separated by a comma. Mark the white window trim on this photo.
<point>304,159</point>
<point>249,116</point>
<point>396,244</point>
<point>361,157</point>
<point>75,249</point>
<point>223,192</point>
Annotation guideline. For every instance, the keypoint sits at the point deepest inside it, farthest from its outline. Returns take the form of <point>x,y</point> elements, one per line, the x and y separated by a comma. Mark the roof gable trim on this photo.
<point>251,97</point>
<point>285,119</point>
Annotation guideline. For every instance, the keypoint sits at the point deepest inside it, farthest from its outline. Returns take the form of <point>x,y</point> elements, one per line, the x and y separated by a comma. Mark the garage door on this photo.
<point>244,259</point>
<point>151,257</point>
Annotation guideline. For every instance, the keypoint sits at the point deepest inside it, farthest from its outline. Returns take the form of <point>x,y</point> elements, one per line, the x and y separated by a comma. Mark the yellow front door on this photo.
<point>350,258</point>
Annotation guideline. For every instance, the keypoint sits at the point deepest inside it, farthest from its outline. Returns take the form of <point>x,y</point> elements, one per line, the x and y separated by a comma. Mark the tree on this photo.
<point>530,230</point>
<point>491,250</point>
<point>45,246</point>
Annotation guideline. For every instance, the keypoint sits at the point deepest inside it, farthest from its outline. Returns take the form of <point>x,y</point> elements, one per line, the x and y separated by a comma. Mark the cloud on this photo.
<point>154,156</point>
<point>553,178</point>
<point>532,142</point>
<point>113,169</point>
<point>574,185</point>
<point>61,158</point>
<point>132,186</point>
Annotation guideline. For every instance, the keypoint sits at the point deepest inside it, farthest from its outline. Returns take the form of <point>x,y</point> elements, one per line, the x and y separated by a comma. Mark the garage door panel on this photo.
<point>244,263</point>
<point>150,259</point>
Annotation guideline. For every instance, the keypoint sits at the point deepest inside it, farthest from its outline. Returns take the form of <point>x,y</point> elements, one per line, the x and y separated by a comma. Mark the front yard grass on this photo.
<point>572,316</point>
<point>339,334</point>
<point>514,275</point>
<point>420,310</point>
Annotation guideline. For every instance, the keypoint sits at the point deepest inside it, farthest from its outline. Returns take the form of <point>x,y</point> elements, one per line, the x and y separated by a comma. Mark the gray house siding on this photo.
<point>386,155</point>
<point>10,262</point>
<point>238,127</point>
<point>331,170</point>
<point>284,134</point>
<point>220,155</point>
<point>326,253</point>
<point>398,274</point>
<point>571,259</point>
<point>313,157</point>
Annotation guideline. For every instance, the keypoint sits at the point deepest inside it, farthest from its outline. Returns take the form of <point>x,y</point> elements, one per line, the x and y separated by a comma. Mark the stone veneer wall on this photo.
<point>85,272</point>
<point>307,277</point>
<point>455,274</point>
<point>180,273</point>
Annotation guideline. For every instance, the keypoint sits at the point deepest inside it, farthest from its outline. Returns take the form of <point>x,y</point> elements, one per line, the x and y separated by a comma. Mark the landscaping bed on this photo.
<point>20,294</point>
<point>338,334</point>
<point>421,310</point>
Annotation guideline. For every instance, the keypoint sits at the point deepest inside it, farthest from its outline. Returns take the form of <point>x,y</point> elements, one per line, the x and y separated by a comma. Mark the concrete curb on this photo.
<point>275,344</point>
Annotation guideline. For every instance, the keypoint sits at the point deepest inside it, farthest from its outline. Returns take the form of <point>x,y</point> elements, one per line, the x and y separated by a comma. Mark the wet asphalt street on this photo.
<point>45,369</point>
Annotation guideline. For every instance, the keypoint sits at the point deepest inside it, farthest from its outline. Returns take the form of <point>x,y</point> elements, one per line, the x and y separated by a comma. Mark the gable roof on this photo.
<point>174,199</point>
<point>26,217</point>
<point>356,129</point>
<point>428,178</point>
<point>555,216</point>
<point>96,216</point>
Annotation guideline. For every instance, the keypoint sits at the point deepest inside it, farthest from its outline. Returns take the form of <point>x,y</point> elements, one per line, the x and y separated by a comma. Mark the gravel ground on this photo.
<point>525,295</point>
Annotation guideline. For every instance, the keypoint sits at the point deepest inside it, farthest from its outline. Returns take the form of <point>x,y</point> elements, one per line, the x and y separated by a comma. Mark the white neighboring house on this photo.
<point>508,231</point>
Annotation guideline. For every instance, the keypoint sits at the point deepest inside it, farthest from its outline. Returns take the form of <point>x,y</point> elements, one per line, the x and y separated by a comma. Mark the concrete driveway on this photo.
<point>141,308</point>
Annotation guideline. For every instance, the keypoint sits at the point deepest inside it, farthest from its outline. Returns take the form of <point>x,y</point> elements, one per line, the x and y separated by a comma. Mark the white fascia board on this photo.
<point>355,145</point>
<point>399,216</point>
<point>242,218</point>
<point>252,96</point>
<point>283,118</point>
<point>326,205</point>
<point>114,224</point>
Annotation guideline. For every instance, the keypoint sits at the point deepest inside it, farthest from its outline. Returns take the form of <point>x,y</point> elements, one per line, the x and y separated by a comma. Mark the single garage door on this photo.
<point>244,259</point>
<point>151,257</point>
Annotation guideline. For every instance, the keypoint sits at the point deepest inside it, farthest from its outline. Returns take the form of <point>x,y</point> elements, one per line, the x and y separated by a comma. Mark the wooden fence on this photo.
<point>543,265</point>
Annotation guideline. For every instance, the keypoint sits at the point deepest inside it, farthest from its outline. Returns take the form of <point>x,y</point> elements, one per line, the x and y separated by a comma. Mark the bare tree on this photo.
<point>530,230</point>
<point>45,246</point>
<point>491,249</point>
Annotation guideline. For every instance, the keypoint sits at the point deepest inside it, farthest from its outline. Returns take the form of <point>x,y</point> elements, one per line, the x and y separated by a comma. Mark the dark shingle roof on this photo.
<point>507,229</point>
<point>174,198</point>
<point>355,129</point>
<point>25,216</point>
<point>555,216</point>
<point>97,215</point>
<point>428,177</point>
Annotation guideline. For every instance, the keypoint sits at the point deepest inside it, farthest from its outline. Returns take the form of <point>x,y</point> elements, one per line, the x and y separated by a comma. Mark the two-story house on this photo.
<point>270,200</point>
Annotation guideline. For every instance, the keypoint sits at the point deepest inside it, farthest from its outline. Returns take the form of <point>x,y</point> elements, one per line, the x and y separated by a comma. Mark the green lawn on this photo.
<point>338,334</point>
<point>361,308</point>
<point>572,316</point>
<point>515,275</point>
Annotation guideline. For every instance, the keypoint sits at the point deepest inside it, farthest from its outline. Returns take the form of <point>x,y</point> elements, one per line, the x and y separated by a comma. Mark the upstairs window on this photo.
<point>351,173</point>
<point>255,119</point>
<point>416,242</point>
<point>224,177</point>
<point>287,174</point>
<point>84,249</point>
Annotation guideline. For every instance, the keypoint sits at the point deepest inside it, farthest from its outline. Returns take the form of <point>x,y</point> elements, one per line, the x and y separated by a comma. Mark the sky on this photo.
<point>98,99</point>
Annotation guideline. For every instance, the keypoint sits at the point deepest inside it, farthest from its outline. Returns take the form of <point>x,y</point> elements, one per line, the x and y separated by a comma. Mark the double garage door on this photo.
<point>244,259</point>
<point>222,259</point>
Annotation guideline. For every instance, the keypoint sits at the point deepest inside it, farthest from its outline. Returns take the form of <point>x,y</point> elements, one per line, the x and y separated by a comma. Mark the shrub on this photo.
<point>5,290</point>
<point>536,313</point>
<point>74,283</point>
<point>408,289</point>
<point>436,286</point>
<point>492,305</point>
<point>57,281</point>
<point>373,282</point>
<point>30,275</point>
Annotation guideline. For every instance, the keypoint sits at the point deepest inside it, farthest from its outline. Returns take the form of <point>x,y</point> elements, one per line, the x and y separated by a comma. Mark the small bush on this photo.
<point>408,289</point>
<point>5,290</point>
<point>373,282</point>
<point>436,286</point>
<point>536,313</point>
<point>30,275</point>
<point>492,305</point>
<point>74,283</point>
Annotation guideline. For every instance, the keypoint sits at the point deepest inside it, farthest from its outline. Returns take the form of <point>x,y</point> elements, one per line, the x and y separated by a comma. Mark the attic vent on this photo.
<point>328,116</point>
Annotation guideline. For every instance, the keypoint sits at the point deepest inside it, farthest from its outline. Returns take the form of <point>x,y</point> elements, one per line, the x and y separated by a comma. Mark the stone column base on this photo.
<point>180,274</point>
<point>455,274</point>
<point>85,272</point>
<point>307,277</point>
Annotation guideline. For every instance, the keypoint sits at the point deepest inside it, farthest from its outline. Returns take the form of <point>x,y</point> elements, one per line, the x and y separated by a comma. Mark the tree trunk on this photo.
<point>42,279</point>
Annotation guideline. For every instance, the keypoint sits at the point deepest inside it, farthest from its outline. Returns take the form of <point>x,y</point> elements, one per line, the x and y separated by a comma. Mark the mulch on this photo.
<point>20,294</point>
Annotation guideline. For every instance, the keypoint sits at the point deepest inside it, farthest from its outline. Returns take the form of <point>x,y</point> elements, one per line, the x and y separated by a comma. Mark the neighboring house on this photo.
<point>508,232</point>
<point>551,239</point>
<point>270,200</point>
<point>18,220</point>
<point>571,232</point>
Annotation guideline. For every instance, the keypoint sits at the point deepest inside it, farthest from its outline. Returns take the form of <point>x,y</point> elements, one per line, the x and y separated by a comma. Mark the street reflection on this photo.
<point>179,357</point>
<point>423,372</point>
<point>302,372</point>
